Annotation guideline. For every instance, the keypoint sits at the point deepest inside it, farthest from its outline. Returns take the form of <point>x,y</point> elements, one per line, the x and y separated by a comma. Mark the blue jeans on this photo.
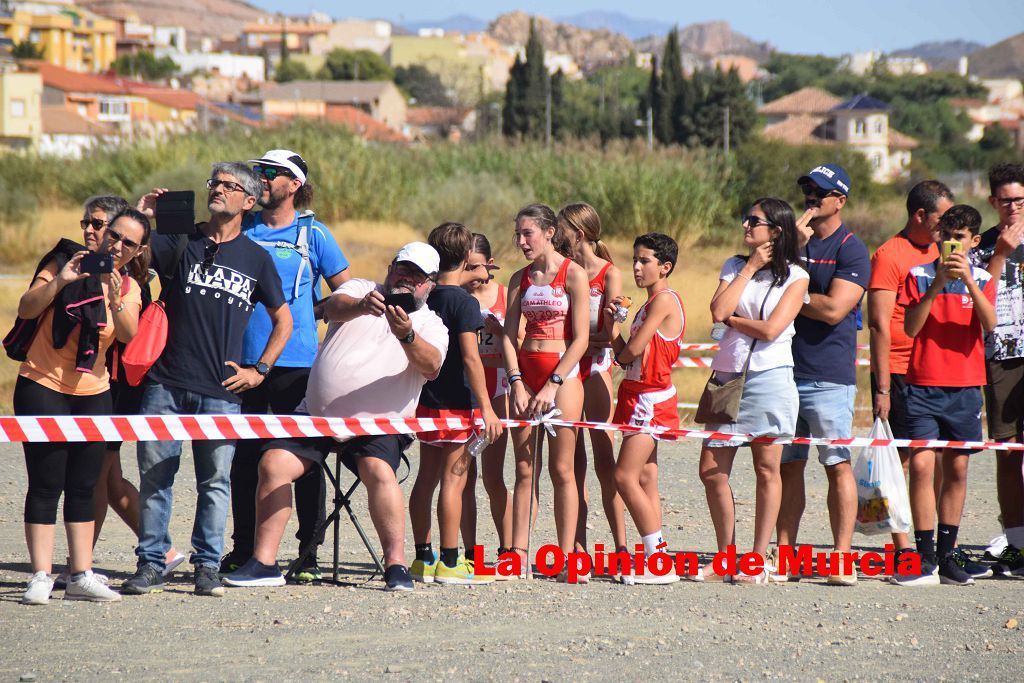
<point>158,463</point>
<point>826,412</point>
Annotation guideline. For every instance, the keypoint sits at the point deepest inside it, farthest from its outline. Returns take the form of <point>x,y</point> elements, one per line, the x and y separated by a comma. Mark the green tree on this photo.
<point>995,139</point>
<point>26,49</point>
<point>513,120</point>
<point>789,73</point>
<point>714,92</point>
<point>145,65</point>
<point>356,65</point>
<point>291,70</point>
<point>526,95</point>
<point>424,85</point>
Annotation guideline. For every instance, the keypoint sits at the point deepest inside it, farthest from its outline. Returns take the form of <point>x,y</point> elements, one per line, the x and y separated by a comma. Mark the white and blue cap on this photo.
<point>286,159</point>
<point>828,177</point>
<point>421,255</point>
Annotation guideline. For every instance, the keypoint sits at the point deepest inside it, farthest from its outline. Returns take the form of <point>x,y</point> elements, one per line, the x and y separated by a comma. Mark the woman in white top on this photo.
<point>758,297</point>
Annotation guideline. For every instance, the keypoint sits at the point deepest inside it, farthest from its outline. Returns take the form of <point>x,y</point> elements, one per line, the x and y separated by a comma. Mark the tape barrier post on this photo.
<point>69,428</point>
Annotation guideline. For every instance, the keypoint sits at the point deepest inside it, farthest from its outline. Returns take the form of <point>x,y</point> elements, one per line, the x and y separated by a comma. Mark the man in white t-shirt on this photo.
<point>373,362</point>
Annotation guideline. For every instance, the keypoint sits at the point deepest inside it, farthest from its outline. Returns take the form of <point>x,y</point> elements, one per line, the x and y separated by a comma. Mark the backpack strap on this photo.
<point>301,246</point>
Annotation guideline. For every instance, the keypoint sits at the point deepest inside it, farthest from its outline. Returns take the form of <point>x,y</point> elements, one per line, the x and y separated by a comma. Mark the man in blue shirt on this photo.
<point>824,357</point>
<point>303,250</point>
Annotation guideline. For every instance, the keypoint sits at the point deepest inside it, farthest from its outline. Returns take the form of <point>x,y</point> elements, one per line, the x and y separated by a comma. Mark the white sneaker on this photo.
<point>173,564</point>
<point>91,587</point>
<point>39,588</point>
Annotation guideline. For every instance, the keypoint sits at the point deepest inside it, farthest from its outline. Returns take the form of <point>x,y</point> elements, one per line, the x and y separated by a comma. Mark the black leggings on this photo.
<point>55,468</point>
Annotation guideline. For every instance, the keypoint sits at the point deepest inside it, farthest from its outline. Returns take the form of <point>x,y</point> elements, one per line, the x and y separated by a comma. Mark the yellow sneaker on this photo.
<point>461,574</point>
<point>423,572</point>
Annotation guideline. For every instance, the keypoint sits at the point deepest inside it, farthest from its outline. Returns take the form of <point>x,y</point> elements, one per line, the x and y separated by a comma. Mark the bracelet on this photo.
<point>515,377</point>
<point>120,307</point>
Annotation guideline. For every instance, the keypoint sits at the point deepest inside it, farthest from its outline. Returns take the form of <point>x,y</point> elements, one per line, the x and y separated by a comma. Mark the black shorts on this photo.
<point>1004,398</point>
<point>386,447</point>
<point>897,404</point>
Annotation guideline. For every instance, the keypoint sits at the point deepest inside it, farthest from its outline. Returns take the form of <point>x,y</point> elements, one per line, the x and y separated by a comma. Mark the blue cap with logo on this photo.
<point>828,177</point>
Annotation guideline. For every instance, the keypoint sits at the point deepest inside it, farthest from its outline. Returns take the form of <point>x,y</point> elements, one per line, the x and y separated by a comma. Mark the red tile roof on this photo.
<point>436,116</point>
<point>362,124</point>
<point>58,120</point>
<point>803,101</point>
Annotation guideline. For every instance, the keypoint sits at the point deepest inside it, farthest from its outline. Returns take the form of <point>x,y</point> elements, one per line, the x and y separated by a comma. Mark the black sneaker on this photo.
<point>952,574</point>
<point>232,561</point>
<point>146,579</point>
<point>397,578</point>
<point>974,569</point>
<point>255,573</point>
<point>1009,563</point>
<point>308,571</point>
<point>928,576</point>
<point>208,582</point>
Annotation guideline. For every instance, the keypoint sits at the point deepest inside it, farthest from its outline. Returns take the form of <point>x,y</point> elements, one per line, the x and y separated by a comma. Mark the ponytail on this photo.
<point>584,218</point>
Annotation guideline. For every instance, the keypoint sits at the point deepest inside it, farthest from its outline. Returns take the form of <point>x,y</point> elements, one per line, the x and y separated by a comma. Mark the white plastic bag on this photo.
<point>882,502</point>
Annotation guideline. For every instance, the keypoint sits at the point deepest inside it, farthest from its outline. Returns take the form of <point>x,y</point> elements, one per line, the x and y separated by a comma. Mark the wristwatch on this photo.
<point>409,338</point>
<point>556,379</point>
<point>262,368</point>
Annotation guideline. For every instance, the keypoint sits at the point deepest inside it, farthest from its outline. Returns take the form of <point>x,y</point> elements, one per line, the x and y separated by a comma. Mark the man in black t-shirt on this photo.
<point>209,295</point>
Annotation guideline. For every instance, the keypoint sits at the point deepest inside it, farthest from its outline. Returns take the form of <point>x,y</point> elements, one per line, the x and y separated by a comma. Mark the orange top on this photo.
<point>55,368</point>
<point>889,269</point>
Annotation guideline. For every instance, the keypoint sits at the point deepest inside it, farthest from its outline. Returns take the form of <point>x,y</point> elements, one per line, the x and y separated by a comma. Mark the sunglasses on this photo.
<point>115,236</point>
<point>226,184</point>
<point>95,223</point>
<point>809,190</point>
<point>209,255</point>
<point>271,172</point>
<point>754,221</point>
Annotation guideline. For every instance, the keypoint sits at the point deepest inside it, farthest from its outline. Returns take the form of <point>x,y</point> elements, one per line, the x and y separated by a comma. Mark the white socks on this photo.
<point>1015,536</point>
<point>653,543</point>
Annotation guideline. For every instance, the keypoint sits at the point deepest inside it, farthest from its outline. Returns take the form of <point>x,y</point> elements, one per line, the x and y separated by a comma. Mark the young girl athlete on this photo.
<point>583,227</point>
<point>491,294</point>
<point>551,294</point>
<point>647,397</point>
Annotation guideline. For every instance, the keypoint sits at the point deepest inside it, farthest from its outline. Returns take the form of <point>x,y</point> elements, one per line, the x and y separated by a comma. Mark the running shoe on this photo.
<point>461,574</point>
<point>974,569</point>
<point>147,579</point>
<point>207,582</point>
<point>952,574</point>
<point>254,574</point>
<point>927,576</point>
<point>233,561</point>
<point>423,572</point>
<point>38,590</point>
<point>309,570</point>
<point>90,587</point>
<point>995,548</point>
<point>397,578</point>
<point>1009,563</point>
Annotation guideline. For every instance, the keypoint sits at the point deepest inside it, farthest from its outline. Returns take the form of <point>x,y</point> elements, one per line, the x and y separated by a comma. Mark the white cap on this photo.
<point>285,158</point>
<point>421,255</point>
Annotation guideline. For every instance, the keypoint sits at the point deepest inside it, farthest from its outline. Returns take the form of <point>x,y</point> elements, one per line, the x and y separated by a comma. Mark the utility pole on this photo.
<point>725,137</point>
<point>650,128</point>
<point>547,111</point>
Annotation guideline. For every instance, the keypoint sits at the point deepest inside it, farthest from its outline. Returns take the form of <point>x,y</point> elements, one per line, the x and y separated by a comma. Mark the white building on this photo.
<point>225,63</point>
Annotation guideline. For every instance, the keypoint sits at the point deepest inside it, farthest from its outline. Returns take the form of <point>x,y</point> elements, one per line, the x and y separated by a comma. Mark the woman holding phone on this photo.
<point>80,315</point>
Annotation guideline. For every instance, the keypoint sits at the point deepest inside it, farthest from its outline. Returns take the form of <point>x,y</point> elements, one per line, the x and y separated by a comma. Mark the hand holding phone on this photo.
<point>95,263</point>
<point>403,300</point>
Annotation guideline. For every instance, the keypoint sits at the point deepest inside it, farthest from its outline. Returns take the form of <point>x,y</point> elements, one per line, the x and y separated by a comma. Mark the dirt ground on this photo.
<point>522,630</point>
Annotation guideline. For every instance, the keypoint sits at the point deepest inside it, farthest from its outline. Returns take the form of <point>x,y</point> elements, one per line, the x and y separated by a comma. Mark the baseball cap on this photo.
<point>421,255</point>
<point>828,177</point>
<point>284,158</point>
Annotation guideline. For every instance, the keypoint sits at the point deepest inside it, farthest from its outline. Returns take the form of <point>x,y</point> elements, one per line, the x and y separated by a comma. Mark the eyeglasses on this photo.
<point>412,272</point>
<point>226,184</point>
<point>755,221</point>
<point>817,191</point>
<point>95,223</point>
<point>115,236</point>
<point>271,172</point>
<point>209,254</point>
<point>1007,202</point>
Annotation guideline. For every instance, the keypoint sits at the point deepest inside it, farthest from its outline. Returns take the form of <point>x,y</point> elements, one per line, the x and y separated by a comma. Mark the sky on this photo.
<point>830,28</point>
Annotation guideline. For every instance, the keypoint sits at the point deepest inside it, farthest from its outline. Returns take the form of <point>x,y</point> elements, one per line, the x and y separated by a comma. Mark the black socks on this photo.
<point>450,557</point>
<point>425,553</point>
<point>947,539</point>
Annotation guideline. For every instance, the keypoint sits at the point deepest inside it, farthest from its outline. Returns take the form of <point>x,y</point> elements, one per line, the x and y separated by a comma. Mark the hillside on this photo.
<point>587,47</point>
<point>709,39</point>
<point>1005,59</point>
<point>631,27</point>
<point>201,18</point>
<point>941,55</point>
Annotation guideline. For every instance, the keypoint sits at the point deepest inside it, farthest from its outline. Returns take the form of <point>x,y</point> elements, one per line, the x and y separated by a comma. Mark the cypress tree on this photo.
<point>536,91</point>
<point>513,123</point>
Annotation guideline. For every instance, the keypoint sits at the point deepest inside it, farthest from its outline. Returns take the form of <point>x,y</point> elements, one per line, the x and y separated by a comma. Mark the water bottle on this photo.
<point>477,445</point>
<point>718,331</point>
<point>621,313</point>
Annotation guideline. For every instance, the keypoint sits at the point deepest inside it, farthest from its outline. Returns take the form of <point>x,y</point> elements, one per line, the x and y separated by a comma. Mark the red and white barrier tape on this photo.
<point>66,428</point>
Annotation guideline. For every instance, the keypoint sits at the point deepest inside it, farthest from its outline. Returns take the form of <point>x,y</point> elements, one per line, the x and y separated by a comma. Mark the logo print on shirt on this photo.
<point>557,291</point>
<point>237,286</point>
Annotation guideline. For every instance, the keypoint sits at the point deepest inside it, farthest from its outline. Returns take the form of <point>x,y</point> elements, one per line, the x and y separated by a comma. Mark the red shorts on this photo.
<point>647,409</point>
<point>596,364</point>
<point>446,435</point>
<point>538,366</point>
<point>497,382</point>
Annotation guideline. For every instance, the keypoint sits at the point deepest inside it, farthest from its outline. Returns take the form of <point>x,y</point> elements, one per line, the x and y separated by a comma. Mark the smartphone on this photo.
<point>404,300</point>
<point>94,263</point>
<point>951,247</point>
<point>176,213</point>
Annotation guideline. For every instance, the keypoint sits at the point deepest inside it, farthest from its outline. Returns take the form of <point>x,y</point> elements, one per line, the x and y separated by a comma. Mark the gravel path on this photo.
<point>522,630</point>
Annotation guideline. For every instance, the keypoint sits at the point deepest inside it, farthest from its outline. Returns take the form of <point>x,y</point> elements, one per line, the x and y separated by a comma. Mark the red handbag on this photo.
<point>143,351</point>
<point>146,346</point>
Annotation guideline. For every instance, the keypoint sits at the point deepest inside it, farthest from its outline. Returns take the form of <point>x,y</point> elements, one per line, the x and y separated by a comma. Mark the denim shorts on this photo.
<point>767,407</point>
<point>952,413</point>
<point>826,411</point>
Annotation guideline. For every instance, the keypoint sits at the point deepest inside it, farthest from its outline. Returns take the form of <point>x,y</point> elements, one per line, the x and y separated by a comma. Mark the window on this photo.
<point>858,127</point>
<point>879,126</point>
<point>18,108</point>
<point>113,109</point>
<point>876,161</point>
